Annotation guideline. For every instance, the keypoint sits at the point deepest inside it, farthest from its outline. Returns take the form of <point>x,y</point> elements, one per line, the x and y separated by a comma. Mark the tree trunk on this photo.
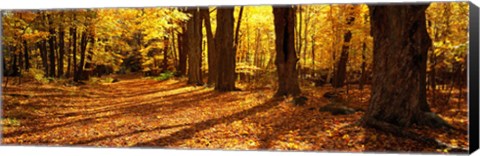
<point>286,58</point>
<point>425,43</point>
<point>341,71</point>
<point>313,57</point>
<point>194,48</point>
<point>305,40</point>
<point>400,40</point>
<point>61,52</point>
<point>224,47</point>
<point>43,54</point>
<point>174,49</point>
<point>69,64</point>
<point>26,57</point>
<point>363,66</point>
<point>51,43</point>
<point>87,72</point>
<point>237,29</point>
<point>212,55</point>
<point>182,52</point>
<point>74,44</point>
<point>165,57</point>
<point>15,69</point>
<point>83,48</point>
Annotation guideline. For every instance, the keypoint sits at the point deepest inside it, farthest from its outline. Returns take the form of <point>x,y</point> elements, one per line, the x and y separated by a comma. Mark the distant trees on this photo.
<point>330,41</point>
<point>286,58</point>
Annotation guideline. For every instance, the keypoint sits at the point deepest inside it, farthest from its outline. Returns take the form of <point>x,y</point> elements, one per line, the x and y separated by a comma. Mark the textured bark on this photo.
<point>286,58</point>
<point>399,44</point>
<point>212,55</point>
<point>194,47</point>
<point>224,47</point>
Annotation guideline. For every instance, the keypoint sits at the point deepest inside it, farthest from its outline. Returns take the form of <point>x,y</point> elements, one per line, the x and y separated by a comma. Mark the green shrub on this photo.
<point>164,76</point>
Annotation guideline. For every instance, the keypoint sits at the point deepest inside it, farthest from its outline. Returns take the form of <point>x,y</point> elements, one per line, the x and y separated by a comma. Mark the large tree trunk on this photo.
<point>194,47</point>
<point>225,49</point>
<point>51,42</point>
<point>286,58</point>
<point>400,42</point>
<point>212,55</point>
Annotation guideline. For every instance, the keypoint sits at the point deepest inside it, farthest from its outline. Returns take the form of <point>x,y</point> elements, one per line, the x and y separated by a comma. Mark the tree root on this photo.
<point>396,130</point>
<point>433,120</point>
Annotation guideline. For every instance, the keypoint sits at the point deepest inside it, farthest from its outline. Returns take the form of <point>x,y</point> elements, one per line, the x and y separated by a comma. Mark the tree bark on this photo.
<point>237,29</point>
<point>400,41</point>
<point>194,48</point>
<point>83,47</point>
<point>226,52</point>
<point>61,52</point>
<point>43,54</point>
<point>74,44</point>
<point>286,58</point>
<point>212,55</point>
<point>15,69</point>
<point>363,66</point>
<point>182,52</point>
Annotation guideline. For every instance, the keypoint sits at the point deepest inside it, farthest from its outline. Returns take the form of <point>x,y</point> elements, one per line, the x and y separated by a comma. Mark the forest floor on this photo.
<point>142,112</point>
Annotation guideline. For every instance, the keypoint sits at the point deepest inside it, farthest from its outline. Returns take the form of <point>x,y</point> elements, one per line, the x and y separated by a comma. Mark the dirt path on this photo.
<point>143,112</point>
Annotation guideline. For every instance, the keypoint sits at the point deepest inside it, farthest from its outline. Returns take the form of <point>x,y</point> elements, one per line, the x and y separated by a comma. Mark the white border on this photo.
<point>48,4</point>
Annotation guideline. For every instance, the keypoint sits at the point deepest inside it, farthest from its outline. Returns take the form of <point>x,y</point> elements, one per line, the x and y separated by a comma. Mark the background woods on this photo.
<point>301,77</point>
